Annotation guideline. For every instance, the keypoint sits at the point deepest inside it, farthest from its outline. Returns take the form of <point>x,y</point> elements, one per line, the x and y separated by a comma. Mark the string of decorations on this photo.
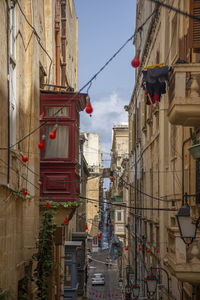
<point>87,84</point>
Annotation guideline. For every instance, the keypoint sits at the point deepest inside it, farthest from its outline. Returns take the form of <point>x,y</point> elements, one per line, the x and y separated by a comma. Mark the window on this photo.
<point>67,280</point>
<point>51,111</point>
<point>119,216</point>
<point>174,38</point>
<point>194,27</point>
<point>59,147</point>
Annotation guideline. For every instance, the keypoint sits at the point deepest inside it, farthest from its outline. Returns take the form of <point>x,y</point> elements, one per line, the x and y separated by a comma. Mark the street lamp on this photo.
<point>136,290</point>
<point>152,285</point>
<point>186,225</point>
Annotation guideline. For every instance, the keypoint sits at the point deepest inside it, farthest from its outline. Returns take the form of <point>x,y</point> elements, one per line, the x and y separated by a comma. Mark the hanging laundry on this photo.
<point>154,83</point>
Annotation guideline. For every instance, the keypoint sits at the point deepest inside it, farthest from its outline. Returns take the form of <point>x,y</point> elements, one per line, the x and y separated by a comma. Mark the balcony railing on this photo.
<point>184,261</point>
<point>184,95</point>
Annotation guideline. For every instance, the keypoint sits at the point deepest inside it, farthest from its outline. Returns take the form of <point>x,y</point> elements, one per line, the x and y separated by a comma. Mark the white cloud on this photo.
<point>107,111</point>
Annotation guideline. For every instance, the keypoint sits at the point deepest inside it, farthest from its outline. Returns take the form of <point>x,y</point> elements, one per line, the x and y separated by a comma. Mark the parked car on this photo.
<point>98,279</point>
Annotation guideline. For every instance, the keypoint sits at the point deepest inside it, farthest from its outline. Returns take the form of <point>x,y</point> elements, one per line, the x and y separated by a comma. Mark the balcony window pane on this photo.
<point>119,217</point>
<point>59,147</point>
<point>67,281</point>
<point>51,112</point>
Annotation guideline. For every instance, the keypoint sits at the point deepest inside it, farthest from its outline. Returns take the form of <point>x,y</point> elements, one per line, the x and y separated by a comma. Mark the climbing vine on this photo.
<point>45,251</point>
<point>45,255</point>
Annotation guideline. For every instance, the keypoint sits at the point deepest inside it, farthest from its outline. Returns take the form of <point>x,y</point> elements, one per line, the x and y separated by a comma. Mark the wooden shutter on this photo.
<point>184,49</point>
<point>194,28</point>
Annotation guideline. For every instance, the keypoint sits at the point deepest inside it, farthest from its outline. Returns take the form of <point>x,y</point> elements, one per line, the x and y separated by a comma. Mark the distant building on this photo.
<point>118,194</point>
<point>93,156</point>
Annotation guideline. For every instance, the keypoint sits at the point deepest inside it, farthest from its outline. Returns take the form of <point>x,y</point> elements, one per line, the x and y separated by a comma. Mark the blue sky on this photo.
<point>104,25</point>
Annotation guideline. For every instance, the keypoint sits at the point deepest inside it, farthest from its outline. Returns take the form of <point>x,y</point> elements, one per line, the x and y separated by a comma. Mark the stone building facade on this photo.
<point>161,169</point>
<point>91,151</point>
<point>28,59</point>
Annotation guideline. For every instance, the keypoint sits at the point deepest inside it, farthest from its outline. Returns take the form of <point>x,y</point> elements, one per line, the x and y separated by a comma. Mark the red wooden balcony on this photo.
<point>59,162</point>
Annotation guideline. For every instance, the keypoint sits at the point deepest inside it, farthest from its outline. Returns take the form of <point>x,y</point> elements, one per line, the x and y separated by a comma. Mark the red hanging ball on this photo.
<point>149,276</point>
<point>25,192</point>
<point>136,62</point>
<point>137,285</point>
<point>157,251</point>
<point>167,250</point>
<point>126,248</point>
<point>86,227</point>
<point>148,250</point>
<point>158,270</point>
<point>24,158</point>
<point>52,134</point>
<point>99,235</point>
<point>88,108</point>
<point>47,205</point>
<point>66,220</point>
<point>140,248</point>
<point>41,145</point>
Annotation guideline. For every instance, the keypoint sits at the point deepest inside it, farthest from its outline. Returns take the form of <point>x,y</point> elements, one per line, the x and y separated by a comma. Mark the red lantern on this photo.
<point>149,276</point>
<point>111,178</point>
<point>99,235</point>
<point>157,251</point>
<point>86,227</point>
<point>88,108</point>
<point>41,145</point>
<point>126,248</point>
<point>47,205</point>
<point>140,248</point>
<point>158,270</point>
<point>136,61</point>
<point>24,158</point>
<point>25,192</point>
<point>148,250</point>
<point>66,220</point>
<point>52,134</point>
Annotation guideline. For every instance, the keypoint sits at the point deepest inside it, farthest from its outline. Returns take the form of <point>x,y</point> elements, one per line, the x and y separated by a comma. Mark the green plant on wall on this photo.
<point>45,255</point>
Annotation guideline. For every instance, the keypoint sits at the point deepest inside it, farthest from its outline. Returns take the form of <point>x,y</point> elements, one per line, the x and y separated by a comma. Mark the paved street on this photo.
<point>111,289</point>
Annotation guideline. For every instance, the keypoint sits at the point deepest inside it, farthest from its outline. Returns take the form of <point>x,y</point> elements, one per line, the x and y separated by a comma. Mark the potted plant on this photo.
<point>195,148</point>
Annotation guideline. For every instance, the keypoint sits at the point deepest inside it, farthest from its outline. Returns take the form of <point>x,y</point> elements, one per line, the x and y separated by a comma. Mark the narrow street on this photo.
<point>111,288</point>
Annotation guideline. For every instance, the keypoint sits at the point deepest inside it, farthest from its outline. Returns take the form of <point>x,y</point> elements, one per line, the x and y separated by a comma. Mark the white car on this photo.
<point>98,279</point>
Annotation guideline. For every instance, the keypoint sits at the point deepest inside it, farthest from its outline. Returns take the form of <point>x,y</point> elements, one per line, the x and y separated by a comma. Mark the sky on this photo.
<point>104,26</point>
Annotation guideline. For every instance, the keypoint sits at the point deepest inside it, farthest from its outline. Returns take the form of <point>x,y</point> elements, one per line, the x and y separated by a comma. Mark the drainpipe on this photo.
<point>57,34</point>
<point>8,92</point>
<point>135,191</point>
<point>57,37</point>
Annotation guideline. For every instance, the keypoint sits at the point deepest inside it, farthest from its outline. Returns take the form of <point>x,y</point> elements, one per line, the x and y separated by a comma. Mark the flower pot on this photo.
<point>195,151</point>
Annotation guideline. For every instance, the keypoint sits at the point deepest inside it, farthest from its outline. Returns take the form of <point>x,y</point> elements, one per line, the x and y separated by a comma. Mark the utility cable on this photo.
<point>37,38</point>
<point>20,174</point>
<point>126,206</point>
<point>89,82</point>
<point>184,13</point>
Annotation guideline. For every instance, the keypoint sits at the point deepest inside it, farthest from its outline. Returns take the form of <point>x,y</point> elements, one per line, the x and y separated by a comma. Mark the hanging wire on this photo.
<point>88,83</point>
